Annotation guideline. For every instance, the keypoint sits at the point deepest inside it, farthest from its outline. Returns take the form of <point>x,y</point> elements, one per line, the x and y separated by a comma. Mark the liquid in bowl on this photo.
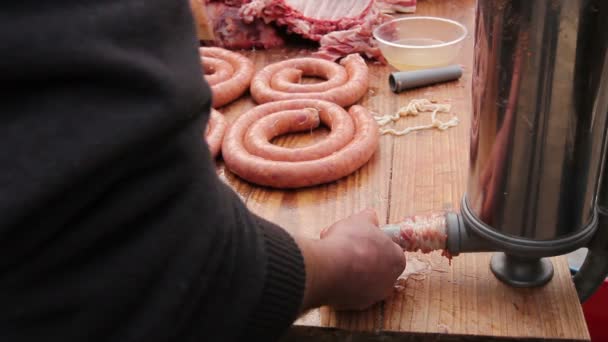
<point>420,42</point>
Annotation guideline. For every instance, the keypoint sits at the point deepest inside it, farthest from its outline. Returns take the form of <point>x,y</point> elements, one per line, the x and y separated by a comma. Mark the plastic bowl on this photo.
<point>420,42</point>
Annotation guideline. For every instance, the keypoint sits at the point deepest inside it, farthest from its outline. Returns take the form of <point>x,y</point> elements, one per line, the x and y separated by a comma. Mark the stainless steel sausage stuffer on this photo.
<point>537,180</point>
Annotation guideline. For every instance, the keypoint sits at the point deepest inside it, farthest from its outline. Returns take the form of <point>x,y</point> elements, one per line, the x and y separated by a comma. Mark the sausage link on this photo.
<point>258,136</point>
<point>216,70</point>
<point>257,139</point>
<point>288,80</point>
<point>352,142</point>
<point>345,83</point>
<point>214,134</point>
<point>227,90</point>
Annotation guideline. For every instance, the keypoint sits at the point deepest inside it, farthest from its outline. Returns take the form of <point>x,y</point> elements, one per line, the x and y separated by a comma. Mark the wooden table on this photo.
<point>416,173</point>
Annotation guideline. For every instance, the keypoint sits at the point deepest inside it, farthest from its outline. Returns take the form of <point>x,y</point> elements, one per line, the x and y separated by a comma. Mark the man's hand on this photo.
<point>353,266</point>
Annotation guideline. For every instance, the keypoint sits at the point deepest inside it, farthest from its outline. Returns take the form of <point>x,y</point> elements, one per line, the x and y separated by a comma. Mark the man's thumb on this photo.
<point>370,215</point>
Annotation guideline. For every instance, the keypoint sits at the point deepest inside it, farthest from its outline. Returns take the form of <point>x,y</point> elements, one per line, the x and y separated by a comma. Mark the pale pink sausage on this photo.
<point>335,164</point>
<point>236,85</point>
<point>216,70</point>
<point>260,133</point>
<point>277,81</point>
<point>342,131</point>
<point>214,134</point>
<point>288,79</point>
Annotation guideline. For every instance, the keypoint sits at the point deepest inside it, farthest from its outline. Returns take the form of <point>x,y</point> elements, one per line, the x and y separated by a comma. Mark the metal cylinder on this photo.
<point>538,118</point>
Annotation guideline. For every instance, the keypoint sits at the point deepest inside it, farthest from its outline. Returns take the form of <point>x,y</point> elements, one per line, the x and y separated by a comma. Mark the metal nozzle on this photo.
<point>463,240</point>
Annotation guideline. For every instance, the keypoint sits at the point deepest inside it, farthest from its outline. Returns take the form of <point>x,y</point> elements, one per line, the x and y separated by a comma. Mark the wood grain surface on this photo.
<point>417,173</point>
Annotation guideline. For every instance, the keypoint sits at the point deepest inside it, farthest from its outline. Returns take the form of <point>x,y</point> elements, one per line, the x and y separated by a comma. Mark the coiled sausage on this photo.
<point>228,73</point>
<point>214,134</point>
<point>345,83</point>
<point>248,153</point>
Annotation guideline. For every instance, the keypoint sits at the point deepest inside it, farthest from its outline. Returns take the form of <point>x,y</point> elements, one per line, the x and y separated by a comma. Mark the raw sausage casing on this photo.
<point>345,84</point>
<point>214,134</point>
<point>228,73</point>
<point>248,153</point>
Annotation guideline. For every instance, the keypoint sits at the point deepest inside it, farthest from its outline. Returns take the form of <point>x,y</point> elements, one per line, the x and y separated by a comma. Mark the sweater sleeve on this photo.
<point>113,223</point>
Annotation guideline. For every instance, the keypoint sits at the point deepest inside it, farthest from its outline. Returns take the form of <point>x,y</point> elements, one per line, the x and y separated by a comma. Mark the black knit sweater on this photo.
<point>113,223</point>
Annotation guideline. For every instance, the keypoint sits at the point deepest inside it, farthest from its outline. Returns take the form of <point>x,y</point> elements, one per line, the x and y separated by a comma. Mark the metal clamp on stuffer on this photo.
<point>538,180</point>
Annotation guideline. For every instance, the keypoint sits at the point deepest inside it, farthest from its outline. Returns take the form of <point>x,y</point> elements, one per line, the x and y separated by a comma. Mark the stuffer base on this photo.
<point>521,272</point>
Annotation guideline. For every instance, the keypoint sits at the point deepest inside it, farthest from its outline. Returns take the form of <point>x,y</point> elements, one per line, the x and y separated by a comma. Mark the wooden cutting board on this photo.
<point>417,173</point>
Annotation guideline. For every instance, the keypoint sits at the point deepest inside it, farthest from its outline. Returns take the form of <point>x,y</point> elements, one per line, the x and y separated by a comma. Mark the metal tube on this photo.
<point>537,125</point>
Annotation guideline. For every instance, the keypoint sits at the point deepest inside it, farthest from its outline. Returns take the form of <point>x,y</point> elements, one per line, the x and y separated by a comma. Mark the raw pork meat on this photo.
<point>338,44</point>
<point>233,33</point>
<point>341,27</point>
<point>312,19</point>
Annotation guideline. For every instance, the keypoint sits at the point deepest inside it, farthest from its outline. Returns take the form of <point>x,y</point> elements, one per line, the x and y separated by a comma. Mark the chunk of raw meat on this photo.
<point>231,32</point>
<point>341,27</point>
<point>312,19</point>
<point>360,40</point>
